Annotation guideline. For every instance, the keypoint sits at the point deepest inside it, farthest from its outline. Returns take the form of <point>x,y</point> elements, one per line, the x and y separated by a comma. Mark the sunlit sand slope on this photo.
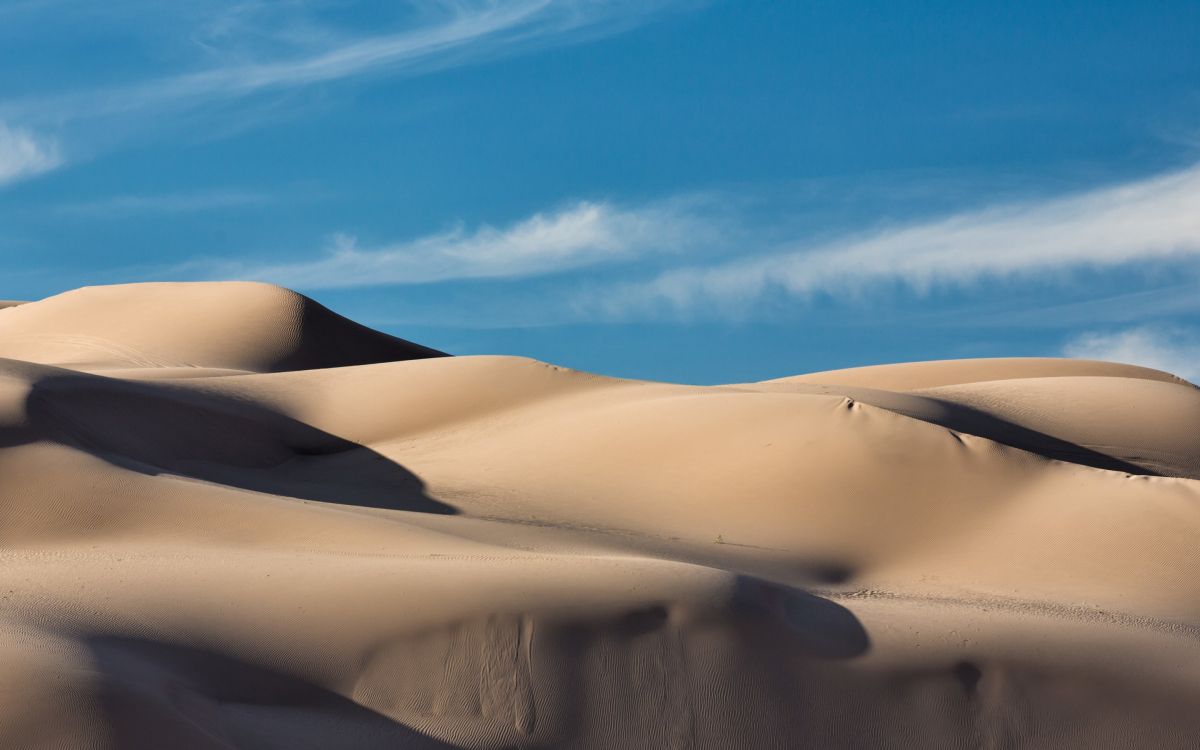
<point>234,519</point>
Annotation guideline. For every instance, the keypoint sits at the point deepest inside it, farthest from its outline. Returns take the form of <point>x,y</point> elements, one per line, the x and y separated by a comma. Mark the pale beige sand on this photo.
<point>233,519</point>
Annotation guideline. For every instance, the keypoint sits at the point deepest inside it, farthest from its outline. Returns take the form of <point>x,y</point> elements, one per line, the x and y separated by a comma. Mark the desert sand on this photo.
<point>234,519</point>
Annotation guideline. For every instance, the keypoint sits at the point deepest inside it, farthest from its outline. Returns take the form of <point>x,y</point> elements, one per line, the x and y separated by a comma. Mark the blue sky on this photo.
<point>689,190</point>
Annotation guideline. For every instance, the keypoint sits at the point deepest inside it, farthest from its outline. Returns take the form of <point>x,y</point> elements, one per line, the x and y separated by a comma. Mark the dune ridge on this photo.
<point>244,326</point>
<point>235,519</point>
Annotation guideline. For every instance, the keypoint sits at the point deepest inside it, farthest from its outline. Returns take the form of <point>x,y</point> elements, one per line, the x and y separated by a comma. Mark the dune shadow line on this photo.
<point>161,428</point>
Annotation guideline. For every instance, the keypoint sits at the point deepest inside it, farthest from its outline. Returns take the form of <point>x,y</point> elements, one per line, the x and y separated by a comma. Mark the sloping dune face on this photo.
<point>198,326</point>
<point>234,519</point>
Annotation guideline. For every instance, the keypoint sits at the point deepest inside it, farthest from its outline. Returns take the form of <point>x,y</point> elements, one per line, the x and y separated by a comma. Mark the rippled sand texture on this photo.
<point>234,519</point>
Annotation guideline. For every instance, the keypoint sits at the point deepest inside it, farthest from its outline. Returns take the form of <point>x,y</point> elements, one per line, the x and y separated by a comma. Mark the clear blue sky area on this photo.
<point>690,191</point>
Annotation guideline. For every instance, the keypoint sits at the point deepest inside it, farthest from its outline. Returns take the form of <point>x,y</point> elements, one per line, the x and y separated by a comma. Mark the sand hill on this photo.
<point>234,519</point>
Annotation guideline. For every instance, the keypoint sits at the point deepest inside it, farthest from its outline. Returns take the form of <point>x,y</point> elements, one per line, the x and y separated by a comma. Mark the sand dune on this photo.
<point>234,326</point>
<point>234,519</point>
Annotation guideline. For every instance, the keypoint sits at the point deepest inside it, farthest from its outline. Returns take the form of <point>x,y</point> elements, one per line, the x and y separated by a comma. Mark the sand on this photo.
<point>234,519</point>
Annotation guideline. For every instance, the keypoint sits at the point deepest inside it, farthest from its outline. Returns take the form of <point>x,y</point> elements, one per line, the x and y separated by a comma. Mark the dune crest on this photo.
<point>243,326</point>
<point>234,519</point>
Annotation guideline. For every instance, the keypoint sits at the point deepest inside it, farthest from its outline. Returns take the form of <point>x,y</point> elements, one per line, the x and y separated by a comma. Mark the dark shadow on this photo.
<point>331,340</point>
<point>968,675</point>
<point>160,428</point>
<point>820,627</point>
<point>641,621</point>
<point>156,695</point>
<point>969,420</point>
<point>831,572</point>
<point>966,419</point>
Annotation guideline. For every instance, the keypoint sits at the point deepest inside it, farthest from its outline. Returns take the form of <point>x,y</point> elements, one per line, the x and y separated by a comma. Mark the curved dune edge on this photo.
<point>909,376</point>
<point>235,520</point>
<point>224,325</point>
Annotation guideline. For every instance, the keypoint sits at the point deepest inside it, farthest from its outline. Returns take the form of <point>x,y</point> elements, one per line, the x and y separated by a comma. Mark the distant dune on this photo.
<point>234,519</point>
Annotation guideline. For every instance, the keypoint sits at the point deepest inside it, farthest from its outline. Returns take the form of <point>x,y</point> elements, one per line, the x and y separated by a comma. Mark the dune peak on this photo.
<point>233,325</point>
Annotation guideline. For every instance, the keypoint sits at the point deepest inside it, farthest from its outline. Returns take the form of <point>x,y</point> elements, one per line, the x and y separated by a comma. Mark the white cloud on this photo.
<point>236,60</point>
<point>1146,220</point>
<point>1174,350</point>
<point>348,59</point>
<point>583,234</point>
<point>22,154</point>
<point>449,32</point>
<point>1156,219</point>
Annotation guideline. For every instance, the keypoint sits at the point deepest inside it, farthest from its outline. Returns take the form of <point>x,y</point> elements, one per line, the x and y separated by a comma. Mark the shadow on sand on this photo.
<point>157,695</point>
<point>160,428</point>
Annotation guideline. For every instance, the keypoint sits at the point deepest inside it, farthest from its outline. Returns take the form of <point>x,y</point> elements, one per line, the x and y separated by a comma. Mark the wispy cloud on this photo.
<point>450,32</point>
<point>1175,350</point>
<point>23,154</point>
<point>1147,220</point>
<point>721,260</point>
<point>231,61</point>
<point>583,234</point>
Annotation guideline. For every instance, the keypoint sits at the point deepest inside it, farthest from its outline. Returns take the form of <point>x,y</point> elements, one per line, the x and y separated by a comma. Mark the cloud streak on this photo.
<point>245,56</point>
<point>23,154</point>
<point>1174,350</point>
<point>459,32</point>
<point>583,234</point>
<point>1153,219</point>
<point>1141,222</point>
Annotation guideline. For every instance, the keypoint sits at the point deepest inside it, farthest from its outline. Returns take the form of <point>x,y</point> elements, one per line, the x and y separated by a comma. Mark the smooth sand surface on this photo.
<point>234,519</point>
